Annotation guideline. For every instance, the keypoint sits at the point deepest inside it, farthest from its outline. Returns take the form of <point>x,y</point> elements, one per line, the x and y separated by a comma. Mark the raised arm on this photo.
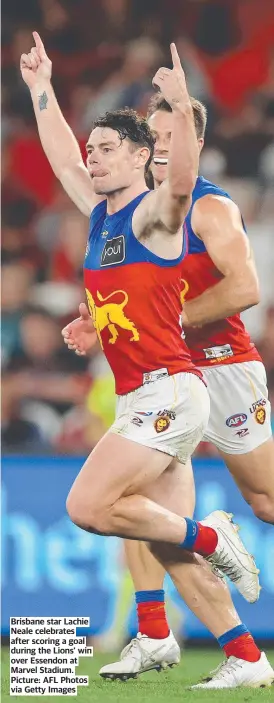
<point>58,141</point>
<point>167,206</point>
<point>217,221</point>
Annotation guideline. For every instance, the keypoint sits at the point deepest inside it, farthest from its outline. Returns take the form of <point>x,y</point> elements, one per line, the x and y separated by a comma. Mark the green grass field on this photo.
<point>152,687</point>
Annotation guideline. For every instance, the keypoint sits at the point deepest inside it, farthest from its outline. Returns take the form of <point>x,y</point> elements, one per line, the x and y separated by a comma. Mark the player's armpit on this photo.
<point>162,211</point>
<point>169,209</point>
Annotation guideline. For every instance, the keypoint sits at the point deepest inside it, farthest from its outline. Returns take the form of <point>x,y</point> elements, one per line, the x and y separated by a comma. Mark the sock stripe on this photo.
<point>232,634</point>
<point>191,533</point>
<point>158,595</point>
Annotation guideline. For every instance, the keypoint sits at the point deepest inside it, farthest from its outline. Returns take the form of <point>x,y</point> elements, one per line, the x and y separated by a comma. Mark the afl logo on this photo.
<point>113,251</point>
<point>236,420</point>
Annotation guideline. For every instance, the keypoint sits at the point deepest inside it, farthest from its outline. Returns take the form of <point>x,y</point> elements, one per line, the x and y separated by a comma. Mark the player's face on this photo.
<point>112,163</point>
<point>160,124</point>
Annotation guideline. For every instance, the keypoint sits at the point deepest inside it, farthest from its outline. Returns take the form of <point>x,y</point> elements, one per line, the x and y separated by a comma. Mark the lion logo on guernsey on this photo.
<point>111,315</point>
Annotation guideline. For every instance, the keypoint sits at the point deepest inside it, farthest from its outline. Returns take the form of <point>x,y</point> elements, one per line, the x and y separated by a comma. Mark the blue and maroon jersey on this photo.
<point>223,342</point>
<point>134,299</point>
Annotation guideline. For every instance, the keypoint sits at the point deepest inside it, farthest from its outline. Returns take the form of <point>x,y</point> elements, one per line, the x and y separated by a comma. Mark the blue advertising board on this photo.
<point>52,568</point>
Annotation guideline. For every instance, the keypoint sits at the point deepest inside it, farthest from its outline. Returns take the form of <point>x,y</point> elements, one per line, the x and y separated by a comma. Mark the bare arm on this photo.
<point>167,206</point>
<point>61,147</point>
<point>58,141</point>
<point>217,221</point>
<point>172,200</point>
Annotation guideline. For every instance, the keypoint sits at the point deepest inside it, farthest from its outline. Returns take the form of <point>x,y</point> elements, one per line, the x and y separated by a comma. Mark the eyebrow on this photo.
<point>156,132</point>
<point>90,146</point>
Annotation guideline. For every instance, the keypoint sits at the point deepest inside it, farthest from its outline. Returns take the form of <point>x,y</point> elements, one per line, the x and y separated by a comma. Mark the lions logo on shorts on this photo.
<point>260,415</point>
<point>162,423</point>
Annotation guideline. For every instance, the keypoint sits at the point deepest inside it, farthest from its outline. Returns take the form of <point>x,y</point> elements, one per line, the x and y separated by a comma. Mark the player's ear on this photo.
<point>142,156</point>
<point>201,142</point>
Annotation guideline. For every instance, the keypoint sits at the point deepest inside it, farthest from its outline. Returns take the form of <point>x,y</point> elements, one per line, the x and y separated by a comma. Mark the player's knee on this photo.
<point>78,512</point>
<point>263,507</point>
<point>85,515</point>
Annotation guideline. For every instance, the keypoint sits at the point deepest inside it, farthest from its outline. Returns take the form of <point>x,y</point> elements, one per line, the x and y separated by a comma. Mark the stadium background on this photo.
<point>55,405</point>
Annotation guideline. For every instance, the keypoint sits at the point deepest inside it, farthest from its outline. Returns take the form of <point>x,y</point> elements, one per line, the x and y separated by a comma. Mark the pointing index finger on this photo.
<point>175,56</point>
<point>38,43</point>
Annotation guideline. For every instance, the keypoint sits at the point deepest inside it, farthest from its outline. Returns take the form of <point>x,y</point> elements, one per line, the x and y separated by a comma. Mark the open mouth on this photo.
<point>160,160</point>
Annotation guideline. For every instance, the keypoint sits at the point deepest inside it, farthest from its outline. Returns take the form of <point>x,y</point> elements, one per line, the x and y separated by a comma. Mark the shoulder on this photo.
<point>214,207</point>
<point>205,194</point>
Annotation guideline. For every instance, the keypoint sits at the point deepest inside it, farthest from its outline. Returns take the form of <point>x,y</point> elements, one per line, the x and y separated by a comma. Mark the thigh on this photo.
<point>240,412</point>
<point>117,467</point>
<point>174,489</point>
<point>254,471</point>
<point>168,414</point>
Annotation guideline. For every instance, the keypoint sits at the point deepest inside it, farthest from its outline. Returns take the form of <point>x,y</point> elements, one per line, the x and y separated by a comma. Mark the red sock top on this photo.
<point>243,647</point>
<point>152,620</point>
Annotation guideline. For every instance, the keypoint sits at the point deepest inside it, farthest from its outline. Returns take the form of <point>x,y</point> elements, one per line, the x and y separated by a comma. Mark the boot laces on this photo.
<point>228,566</point>
<point>226,667</point>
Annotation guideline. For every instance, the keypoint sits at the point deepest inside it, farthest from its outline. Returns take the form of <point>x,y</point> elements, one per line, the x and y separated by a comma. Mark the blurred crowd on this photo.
<point>104,55</point>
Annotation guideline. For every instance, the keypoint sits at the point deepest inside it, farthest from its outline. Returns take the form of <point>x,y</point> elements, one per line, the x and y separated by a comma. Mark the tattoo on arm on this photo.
<point>43,101</point>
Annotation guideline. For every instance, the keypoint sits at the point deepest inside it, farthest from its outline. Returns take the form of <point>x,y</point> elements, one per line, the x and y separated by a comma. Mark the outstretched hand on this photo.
<point>36,64</point>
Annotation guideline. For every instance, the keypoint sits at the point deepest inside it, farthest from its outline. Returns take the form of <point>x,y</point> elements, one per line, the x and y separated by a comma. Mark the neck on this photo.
<point>120,198</point>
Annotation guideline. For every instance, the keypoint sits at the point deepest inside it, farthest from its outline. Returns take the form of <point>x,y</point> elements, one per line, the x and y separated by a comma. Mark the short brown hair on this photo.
<point>129,125</point>
<point>157,102</point>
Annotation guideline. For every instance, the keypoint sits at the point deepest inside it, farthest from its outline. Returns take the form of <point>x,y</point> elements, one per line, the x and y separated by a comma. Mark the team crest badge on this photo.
<point>260,415</point>
<point>162,423</point>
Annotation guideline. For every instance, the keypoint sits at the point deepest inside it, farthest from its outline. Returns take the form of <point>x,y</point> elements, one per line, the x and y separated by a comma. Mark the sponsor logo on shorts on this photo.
<point>260,415</point>
<point>151,376</point>
<point>136,421</point>
<point>167,413</point>
<point>162,423</point>
<point>163,420</point>
<point>243,432</point>
<point>114,251</point>
<point>236,420</point>
<point>143,413</point>
<point>258,404</point>
<point>216,354</point>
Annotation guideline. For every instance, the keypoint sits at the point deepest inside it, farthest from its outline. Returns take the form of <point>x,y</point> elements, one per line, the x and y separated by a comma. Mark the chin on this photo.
<point>99,187</point>
<point>159,175</point>
<point>99,190</point>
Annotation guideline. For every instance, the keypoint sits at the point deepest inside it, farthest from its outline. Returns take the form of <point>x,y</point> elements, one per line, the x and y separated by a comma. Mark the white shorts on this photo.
<point>240,412</point>
<point>169,414</point>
